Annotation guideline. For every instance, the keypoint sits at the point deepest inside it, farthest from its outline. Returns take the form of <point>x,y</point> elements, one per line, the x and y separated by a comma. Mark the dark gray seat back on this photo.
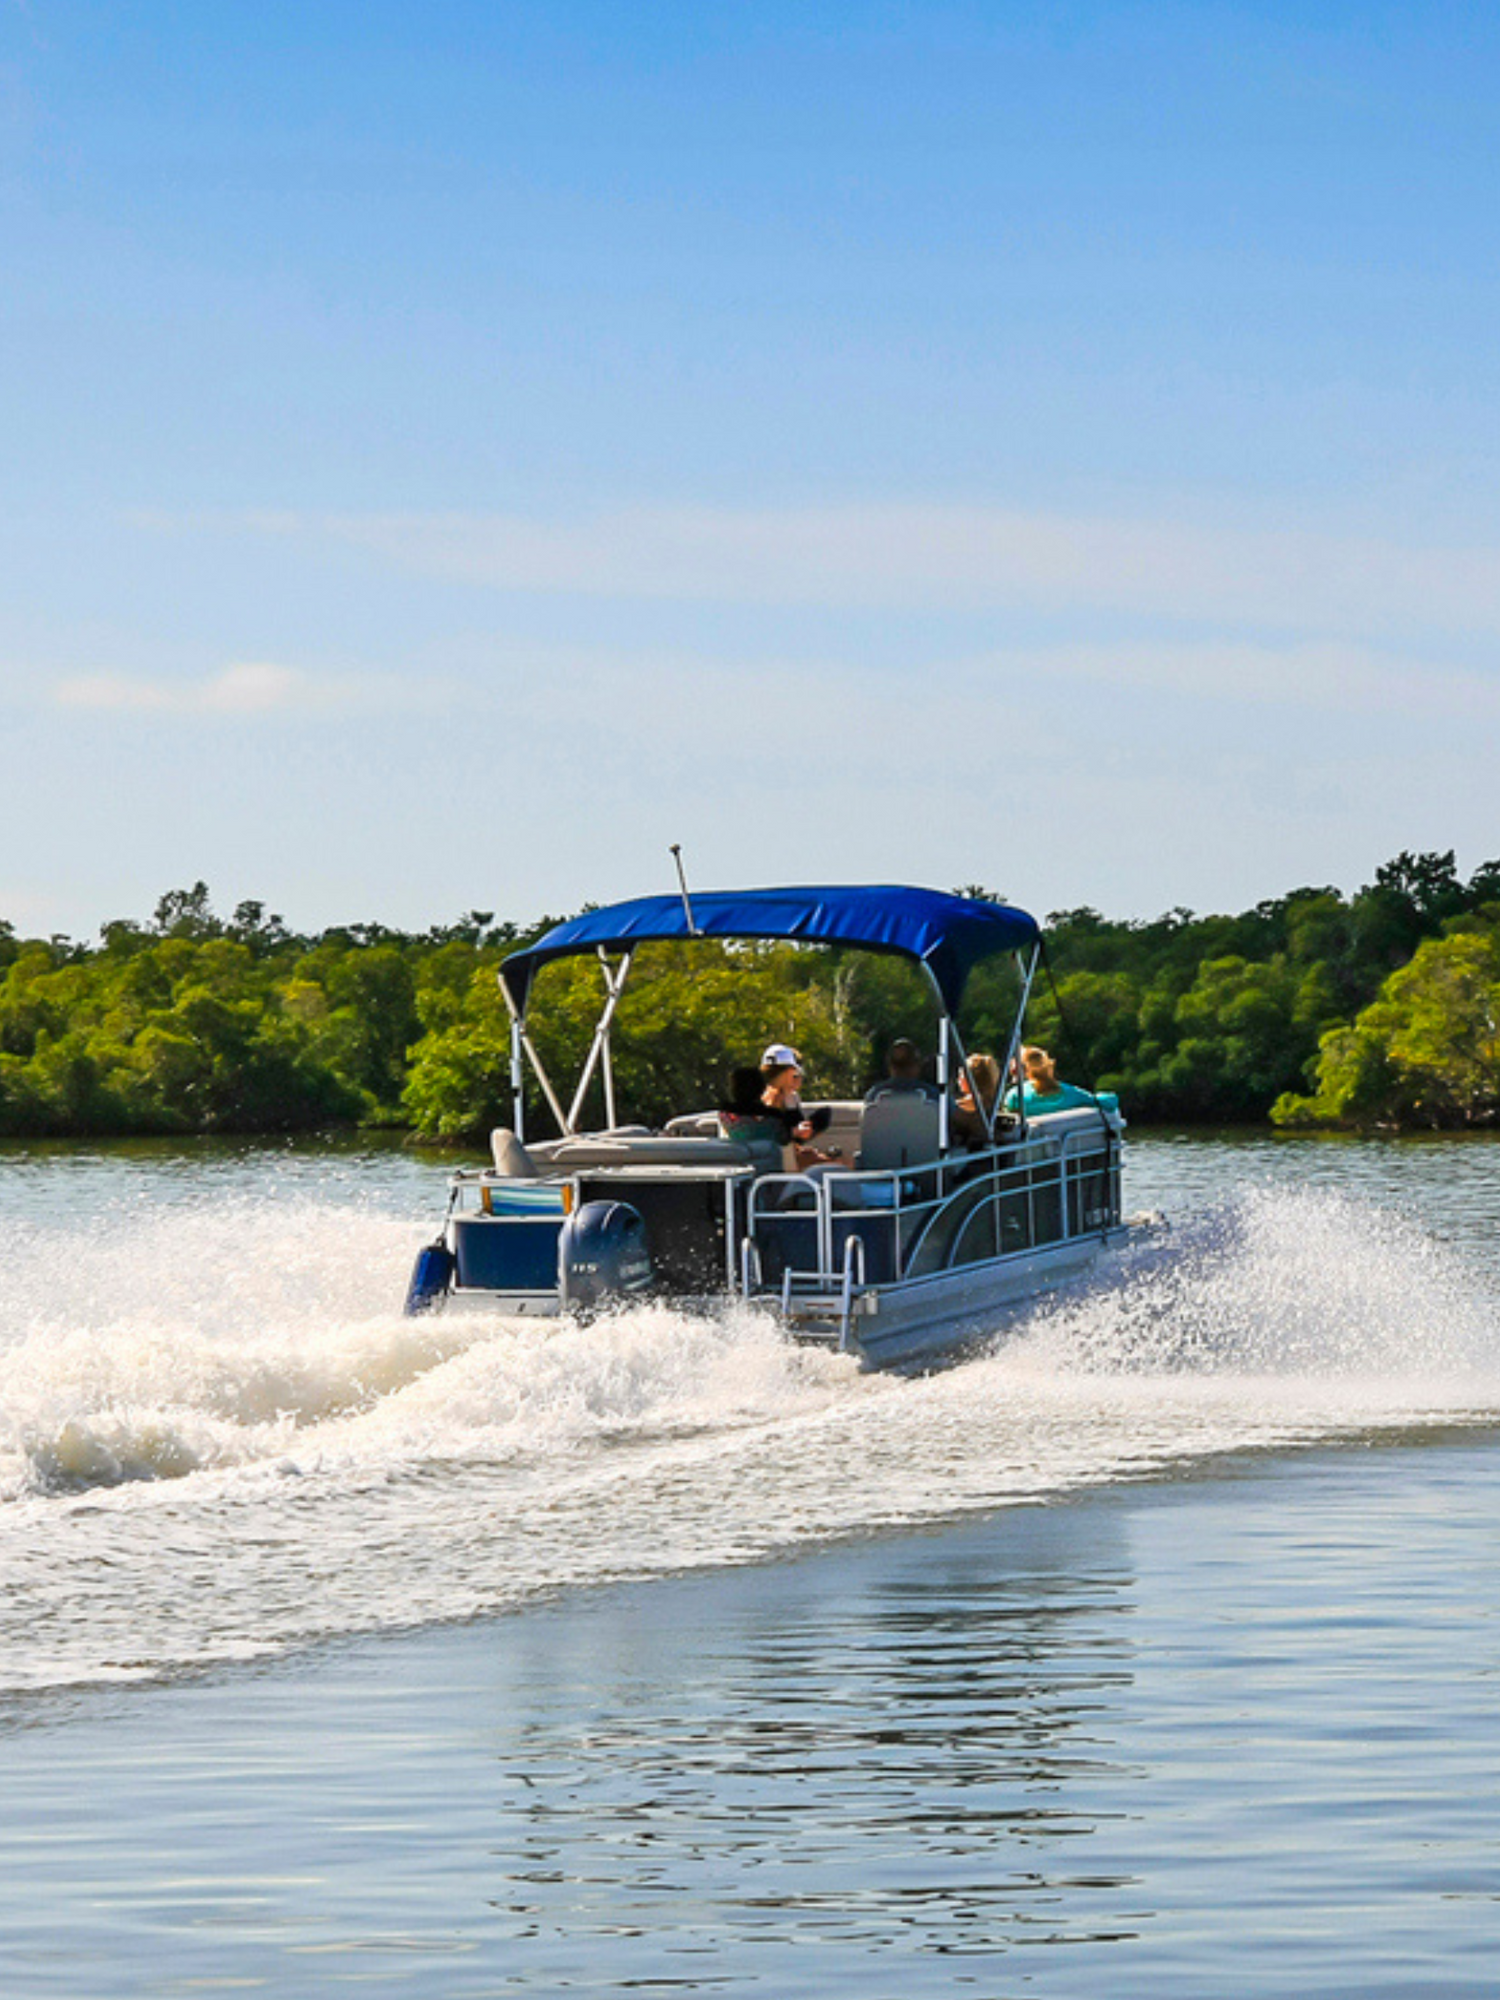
<point>899,1129</point>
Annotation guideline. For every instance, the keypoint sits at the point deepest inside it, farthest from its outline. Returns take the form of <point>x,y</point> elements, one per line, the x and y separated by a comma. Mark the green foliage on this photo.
<point>1233,1014</point>
<point>1425,1052</point>
<point>1372,1009</point>
<point>195,1025</point>
<point>458,1082</point>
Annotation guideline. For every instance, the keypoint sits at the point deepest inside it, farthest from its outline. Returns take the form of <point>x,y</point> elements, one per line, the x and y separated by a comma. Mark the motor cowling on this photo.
<point>602,1257</point>
<point>431,1277</point>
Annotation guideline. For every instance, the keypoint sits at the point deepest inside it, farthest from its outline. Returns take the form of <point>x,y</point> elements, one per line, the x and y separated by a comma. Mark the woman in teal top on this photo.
<point>1042,1089</point>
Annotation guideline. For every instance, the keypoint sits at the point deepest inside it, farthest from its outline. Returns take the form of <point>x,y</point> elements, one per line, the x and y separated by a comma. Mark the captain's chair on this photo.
<point>899,1129</point>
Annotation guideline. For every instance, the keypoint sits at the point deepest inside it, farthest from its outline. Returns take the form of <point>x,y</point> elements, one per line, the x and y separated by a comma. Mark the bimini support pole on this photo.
<point>1028,973</point>
<point>949,1039</point>
<point>614,986</point>
<point>611,1116</point>
<point>975,1098</point>
<point>521,1039</point>
<point>517,1080</point>
<point>945,1036</point>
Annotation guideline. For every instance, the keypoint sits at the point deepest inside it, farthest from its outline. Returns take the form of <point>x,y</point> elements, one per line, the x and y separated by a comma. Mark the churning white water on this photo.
<point>219,1439</point>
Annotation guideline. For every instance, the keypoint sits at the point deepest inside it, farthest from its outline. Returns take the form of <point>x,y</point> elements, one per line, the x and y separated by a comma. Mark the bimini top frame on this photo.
<point>947,935</point>
<point>950,935</point>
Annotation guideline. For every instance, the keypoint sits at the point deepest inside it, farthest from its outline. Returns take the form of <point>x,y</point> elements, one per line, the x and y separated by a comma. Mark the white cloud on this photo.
<point>841,701</point>
<point>1322,678</point>
<point>250,688</point>
<point>946,558</point>
<point>1131,777</point>
<point>573,690</point>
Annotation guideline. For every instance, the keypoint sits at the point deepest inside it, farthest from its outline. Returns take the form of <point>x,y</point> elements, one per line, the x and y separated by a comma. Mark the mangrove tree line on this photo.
<point>1377,1009</point>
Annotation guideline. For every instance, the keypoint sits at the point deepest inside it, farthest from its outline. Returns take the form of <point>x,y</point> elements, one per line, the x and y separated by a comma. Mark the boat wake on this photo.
<point>116,1374</point>
<point>241,1448</point>
<point>1286,1284</point>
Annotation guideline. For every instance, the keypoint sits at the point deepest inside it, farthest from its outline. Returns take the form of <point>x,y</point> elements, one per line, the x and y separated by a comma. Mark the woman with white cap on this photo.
<point>781,1066</point>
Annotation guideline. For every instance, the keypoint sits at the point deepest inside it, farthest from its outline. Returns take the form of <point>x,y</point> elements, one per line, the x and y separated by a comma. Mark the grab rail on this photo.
<point>749,1259</point>
<point>854,1253</point>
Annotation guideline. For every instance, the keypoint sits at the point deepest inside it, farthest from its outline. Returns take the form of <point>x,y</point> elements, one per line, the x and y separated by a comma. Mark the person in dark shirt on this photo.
<point>904,1073</point>
<point>745,1117</point>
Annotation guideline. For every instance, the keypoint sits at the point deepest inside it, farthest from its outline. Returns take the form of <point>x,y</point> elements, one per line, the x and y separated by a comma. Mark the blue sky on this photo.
<point>450,453</point>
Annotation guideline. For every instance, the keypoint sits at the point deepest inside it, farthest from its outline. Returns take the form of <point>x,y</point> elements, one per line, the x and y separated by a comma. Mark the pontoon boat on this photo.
<point>909,1249</point>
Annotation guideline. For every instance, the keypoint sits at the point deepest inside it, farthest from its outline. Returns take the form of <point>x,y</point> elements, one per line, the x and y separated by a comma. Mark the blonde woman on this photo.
<point>1042,1090</point>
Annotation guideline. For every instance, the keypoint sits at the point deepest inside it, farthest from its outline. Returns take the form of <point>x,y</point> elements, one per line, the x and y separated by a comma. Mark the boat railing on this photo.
<point>854,1283</point>
<point>935,1216</point>
<point>751,1279</point>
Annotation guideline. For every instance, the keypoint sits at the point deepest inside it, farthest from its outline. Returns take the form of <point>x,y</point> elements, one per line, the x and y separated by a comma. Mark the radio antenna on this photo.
<point>687,901</point>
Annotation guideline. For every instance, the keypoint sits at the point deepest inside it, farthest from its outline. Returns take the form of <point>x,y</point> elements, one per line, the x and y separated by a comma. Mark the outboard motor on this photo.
<point>602,1257</point>
<point>431,1277</point>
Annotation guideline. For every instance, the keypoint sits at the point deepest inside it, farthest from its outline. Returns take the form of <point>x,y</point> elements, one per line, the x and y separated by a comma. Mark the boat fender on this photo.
<point>602,1258</point>
<point>432,1274</point>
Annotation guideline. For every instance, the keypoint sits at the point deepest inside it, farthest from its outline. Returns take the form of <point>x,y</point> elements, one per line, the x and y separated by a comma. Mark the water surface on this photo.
<point>1228,1732</point>
<point>1152,1654</point>
<point>219,1440</point>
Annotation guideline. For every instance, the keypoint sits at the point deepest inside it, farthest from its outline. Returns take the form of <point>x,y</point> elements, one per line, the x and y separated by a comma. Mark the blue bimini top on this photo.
<point>950,935</point>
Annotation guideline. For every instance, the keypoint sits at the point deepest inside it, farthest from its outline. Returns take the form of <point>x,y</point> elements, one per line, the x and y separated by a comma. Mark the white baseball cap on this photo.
<point>779,1056</point>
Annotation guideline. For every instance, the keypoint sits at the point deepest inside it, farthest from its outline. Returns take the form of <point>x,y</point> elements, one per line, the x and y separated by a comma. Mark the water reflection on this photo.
<point>918,1760</point>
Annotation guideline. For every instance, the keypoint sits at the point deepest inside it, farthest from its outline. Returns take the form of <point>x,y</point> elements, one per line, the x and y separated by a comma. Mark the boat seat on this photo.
<point>693,1125</point>
<point>842,1129</point>
<point>646,1149</point>
<point>899,1129</point>
<point>1077,1118</point>
<point>759,1139</point>
<point>511,1157</point>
